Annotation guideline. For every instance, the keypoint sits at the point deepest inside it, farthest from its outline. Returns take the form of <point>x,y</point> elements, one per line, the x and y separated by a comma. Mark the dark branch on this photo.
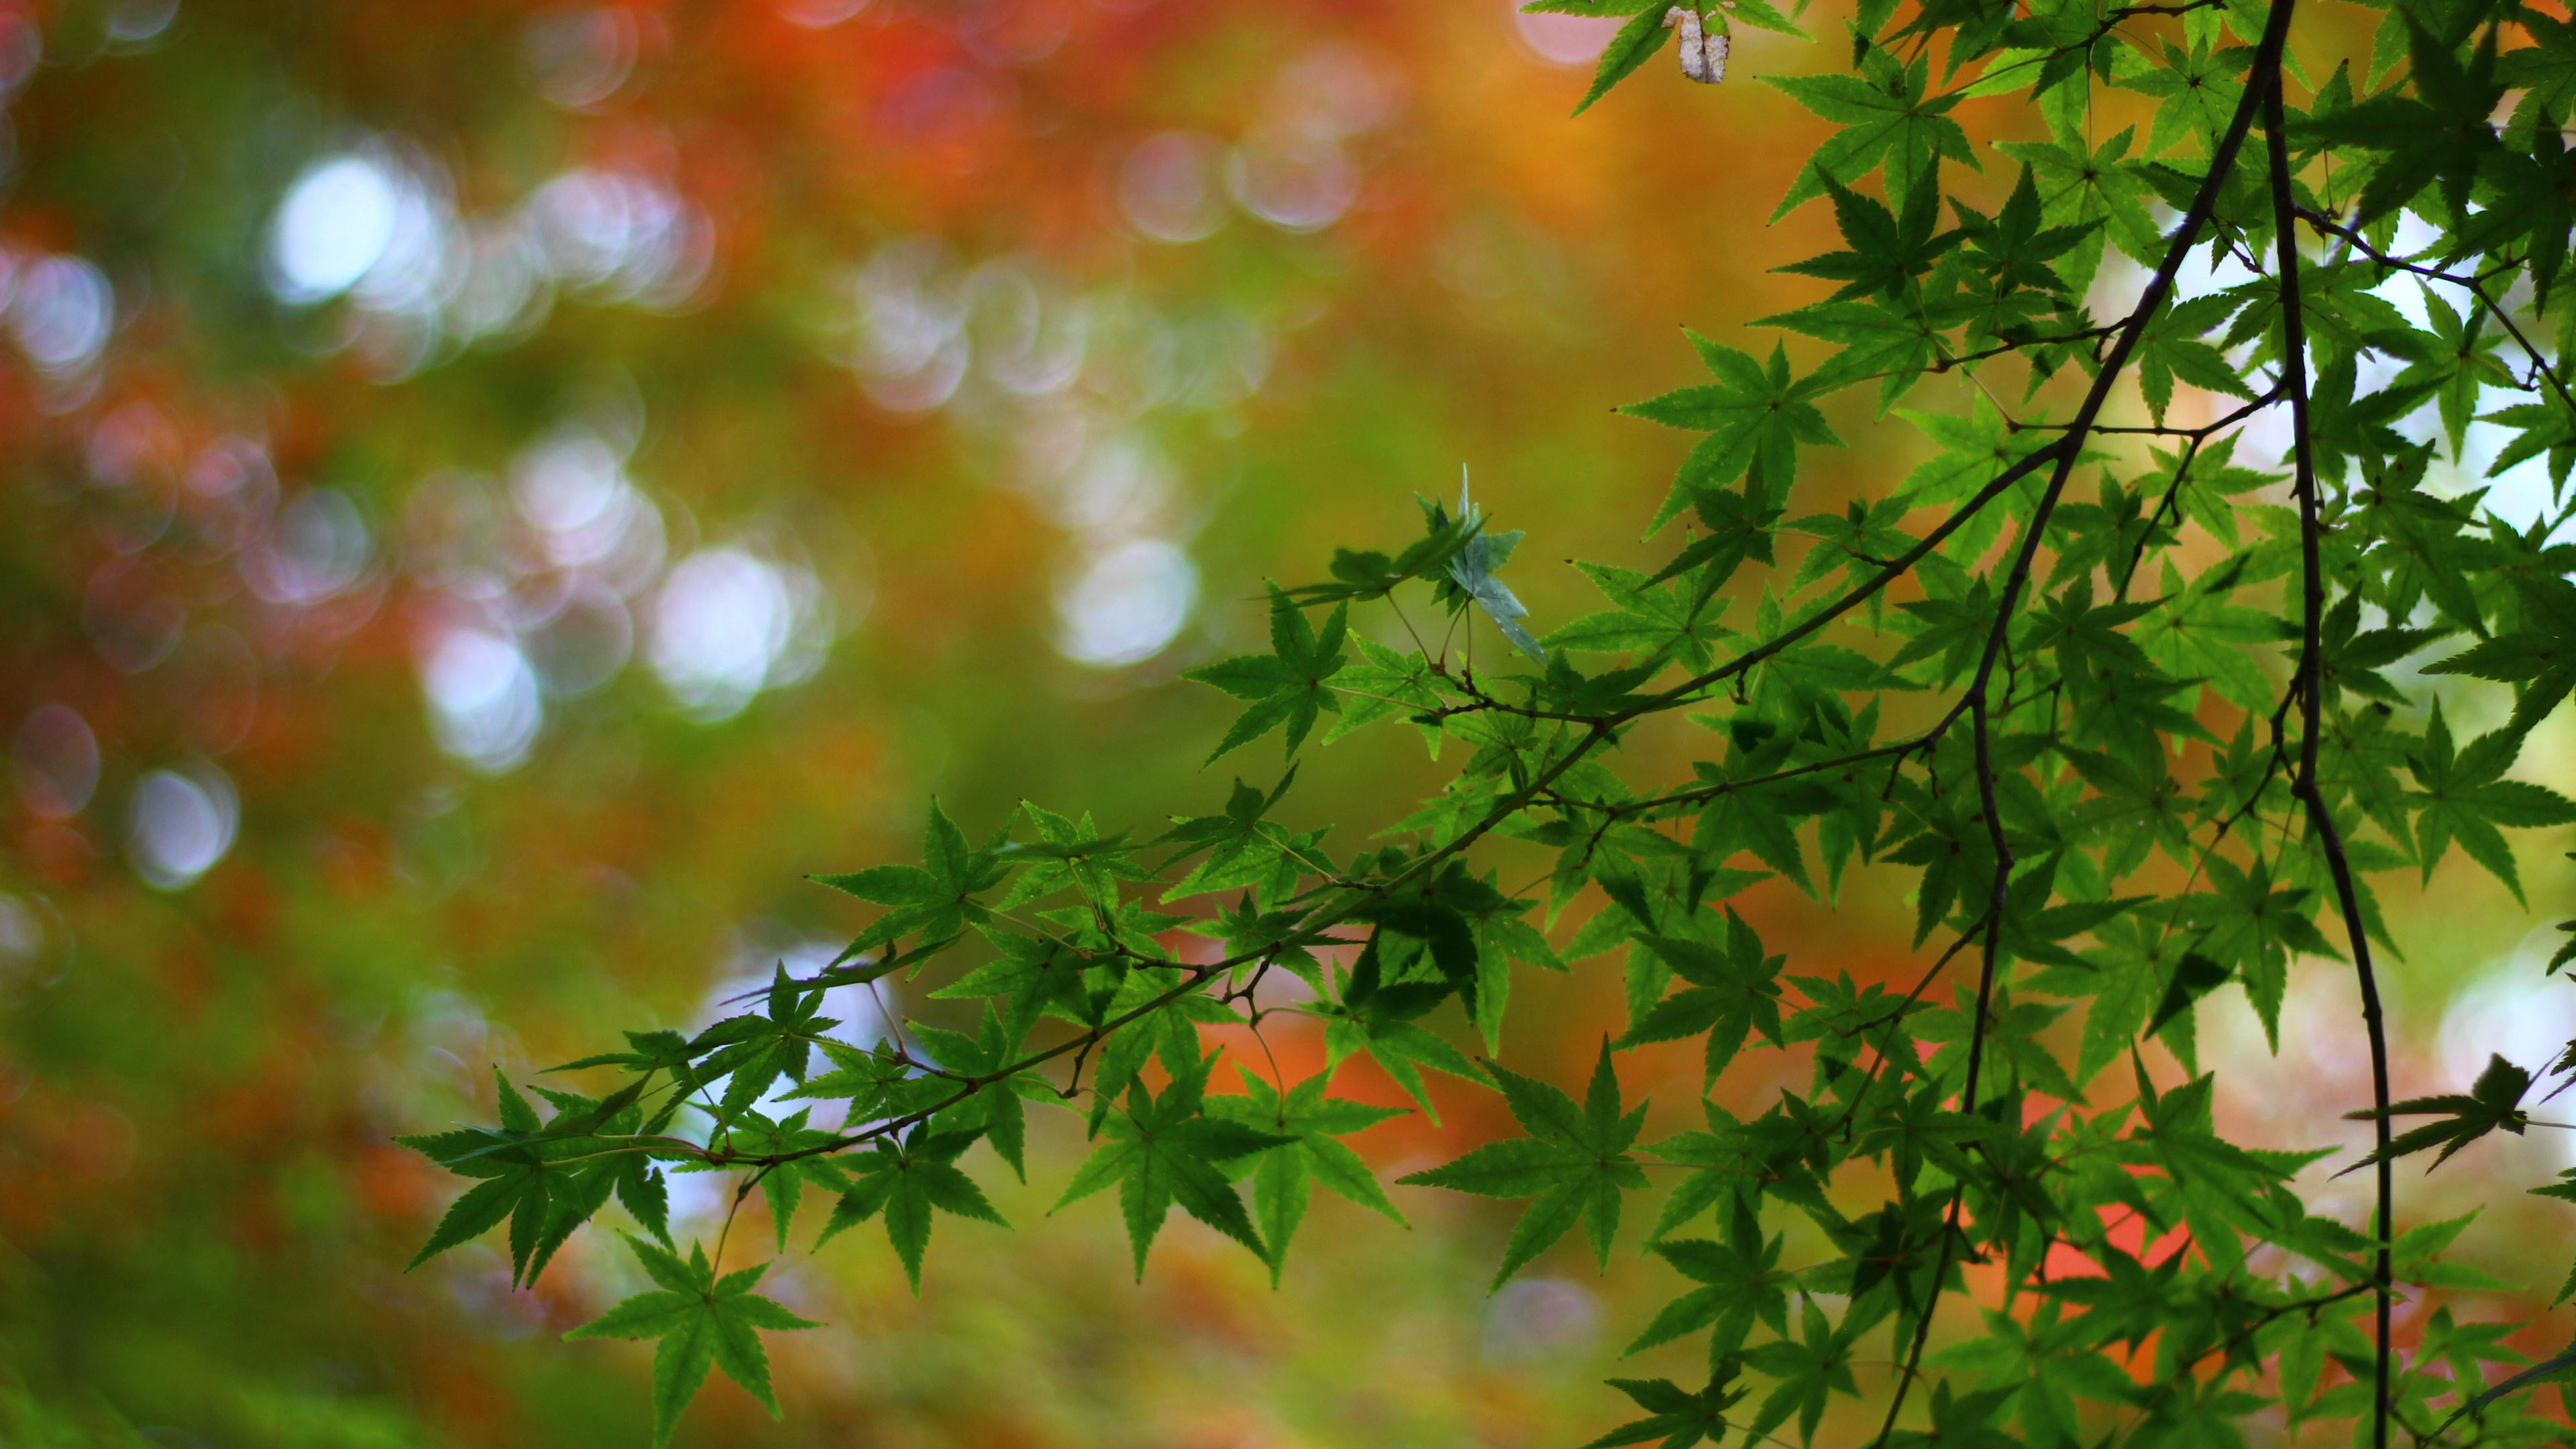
<point>2294,378</point>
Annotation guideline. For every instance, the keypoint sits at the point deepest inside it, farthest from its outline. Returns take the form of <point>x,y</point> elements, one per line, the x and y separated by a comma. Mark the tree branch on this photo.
<point>2294,377</point>
<point>2262,81</point>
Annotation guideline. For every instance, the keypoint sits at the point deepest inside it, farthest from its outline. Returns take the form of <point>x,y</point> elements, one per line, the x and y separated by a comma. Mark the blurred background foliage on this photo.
<point>496,494</point>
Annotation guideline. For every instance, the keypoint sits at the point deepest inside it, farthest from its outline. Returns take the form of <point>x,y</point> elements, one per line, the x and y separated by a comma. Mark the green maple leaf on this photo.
<point>1243,849</point>
<point>1887,117</point>
<point>2215,1177</point>
<point>2440,133</point>
<point>1285,686</point>
<point>1249,931</point>
<point>908,1181</point>
<point>2424,530</point>
<point>1470,576</point>
<point>1284,1177</point>
<point>519,1192</point>
<point>1115,937</point>
<point>935,898</point>
<point>2199,88</point>
<point>1974,449</point>
<point>2197,634</point>
<point>1731,993</point>
<point>881,1082</point>
<point>756,1050</point>
<point>1376,1012</point>
<point>1360,575</point>
<point>2172,348</point>
<point>1163,1150</point>
<point>2540,657</point>
<point>2098,188</point>
<point>652,1051</point>
<point>2344,317</point>
<point>2014,248</point>
<point>1383,683</point>
<point>2210,480</point>
<point>2251,926</point>
<point>1635,44</point>
<point>2493,1101</point>
<point>1885,251</point>
<point>1725,1162</point>
<point>752,1135</point>
<point>1954,629</point>
<point>2545,71</point>
<point>1037,973</point>
<point>523,1179</point>
<point>2354,656</point>
<point>1956,858</point>
<point>2465,361</point>
<point>1741,1282</point>
<point>2465,797</point>
<point>2033,929</point>
<point>1894,344</point>
<point>1657,619</point>
<point>2127,1303</point>
<point>1675,1415</point>
<point>1809,1368</point>
<point>1969,1421</point>
<point>1853,539</point>
<point>2541,428</point>
<point>1068,853</point>
<point>1575,1162</point>
<point>996,1109</point>
<point>2531,202</point>
<point>1755,415</point>
<point>2088,640</point>
<point>2135,807</point>
<point>701,1321</point>
<point>2194,977</point>
<point>1401,1049</point>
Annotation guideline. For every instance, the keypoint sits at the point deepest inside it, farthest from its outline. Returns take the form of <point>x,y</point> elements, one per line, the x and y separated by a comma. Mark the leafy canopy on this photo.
<point>2134,699</point>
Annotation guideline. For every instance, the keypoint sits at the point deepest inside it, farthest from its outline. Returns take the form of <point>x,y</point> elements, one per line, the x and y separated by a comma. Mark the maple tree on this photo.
<point>2125,751</point>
